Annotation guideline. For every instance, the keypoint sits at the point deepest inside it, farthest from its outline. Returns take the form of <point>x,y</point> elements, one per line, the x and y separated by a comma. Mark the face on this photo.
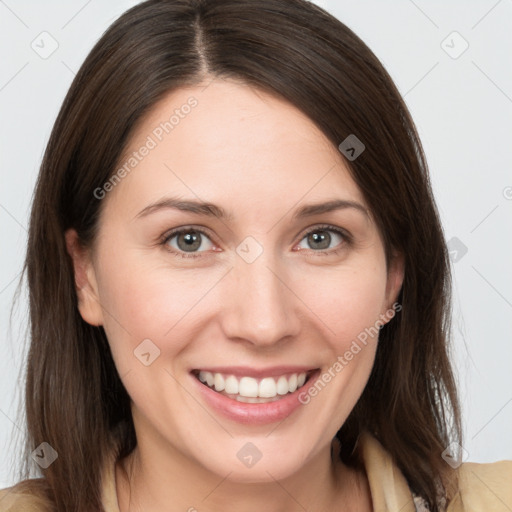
<point>261,297</point>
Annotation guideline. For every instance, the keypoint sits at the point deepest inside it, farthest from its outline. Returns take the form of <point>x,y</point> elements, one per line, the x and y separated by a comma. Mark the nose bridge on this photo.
<point>262,308</point>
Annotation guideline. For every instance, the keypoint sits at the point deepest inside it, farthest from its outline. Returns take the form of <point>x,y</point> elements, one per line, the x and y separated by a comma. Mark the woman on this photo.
<point>239,285</point>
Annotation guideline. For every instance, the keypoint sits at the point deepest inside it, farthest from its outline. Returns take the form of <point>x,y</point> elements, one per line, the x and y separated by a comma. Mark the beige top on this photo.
<point>482,488</point>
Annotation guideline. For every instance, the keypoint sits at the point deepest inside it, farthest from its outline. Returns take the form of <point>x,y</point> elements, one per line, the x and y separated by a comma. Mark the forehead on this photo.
<point>227,142</point>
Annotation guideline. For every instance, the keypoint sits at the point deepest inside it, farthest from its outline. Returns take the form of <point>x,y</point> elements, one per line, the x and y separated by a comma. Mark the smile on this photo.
<point>253,390</point>
<point>251,396</point>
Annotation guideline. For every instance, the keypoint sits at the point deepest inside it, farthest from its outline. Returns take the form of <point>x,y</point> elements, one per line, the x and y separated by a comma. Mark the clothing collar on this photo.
<point>388,486</point>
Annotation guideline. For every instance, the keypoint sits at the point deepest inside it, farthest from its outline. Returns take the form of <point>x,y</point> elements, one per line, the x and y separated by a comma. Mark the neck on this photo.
<point>158,478</point>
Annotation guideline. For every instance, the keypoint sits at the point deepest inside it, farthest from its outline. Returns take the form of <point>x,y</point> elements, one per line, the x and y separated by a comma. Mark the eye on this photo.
<point>187,240</point>
<point>320,239</point>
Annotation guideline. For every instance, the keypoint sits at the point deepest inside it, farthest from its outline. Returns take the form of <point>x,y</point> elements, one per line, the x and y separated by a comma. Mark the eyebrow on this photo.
<point>213,210</point>
<point>336,204</point>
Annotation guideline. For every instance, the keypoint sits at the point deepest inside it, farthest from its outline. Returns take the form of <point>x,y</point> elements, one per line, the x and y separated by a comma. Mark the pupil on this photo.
<point>323,239</point>
<point>191,239</point>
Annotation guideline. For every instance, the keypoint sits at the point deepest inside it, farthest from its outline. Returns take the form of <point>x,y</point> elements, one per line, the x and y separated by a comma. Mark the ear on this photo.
<point>395,279</point>
<point>85,280</point>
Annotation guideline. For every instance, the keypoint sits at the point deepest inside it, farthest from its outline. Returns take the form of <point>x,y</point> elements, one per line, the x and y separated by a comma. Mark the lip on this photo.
<point>254,414</point>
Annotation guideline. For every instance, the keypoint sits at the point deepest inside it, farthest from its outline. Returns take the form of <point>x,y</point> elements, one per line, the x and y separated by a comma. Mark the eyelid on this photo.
<point>326,227</point>
<point>175,231</point>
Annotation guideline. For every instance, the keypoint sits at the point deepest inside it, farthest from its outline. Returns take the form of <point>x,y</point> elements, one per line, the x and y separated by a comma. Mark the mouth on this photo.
<point>269,386</point>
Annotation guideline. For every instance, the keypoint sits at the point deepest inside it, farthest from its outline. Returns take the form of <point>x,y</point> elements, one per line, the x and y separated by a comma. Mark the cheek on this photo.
<point>144,300</point>
<point>346,301</point>
<point>347,304</point>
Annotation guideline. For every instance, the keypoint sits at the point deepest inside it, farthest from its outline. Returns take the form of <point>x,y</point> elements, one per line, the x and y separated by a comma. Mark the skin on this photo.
<point>259,158</point>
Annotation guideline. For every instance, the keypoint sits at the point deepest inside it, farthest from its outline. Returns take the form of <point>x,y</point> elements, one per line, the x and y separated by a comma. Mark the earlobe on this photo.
<point>85,280</point>
<point>395,280</point>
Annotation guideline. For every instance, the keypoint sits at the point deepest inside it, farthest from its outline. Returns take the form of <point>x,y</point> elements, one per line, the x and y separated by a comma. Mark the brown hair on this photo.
<point>75,400</point>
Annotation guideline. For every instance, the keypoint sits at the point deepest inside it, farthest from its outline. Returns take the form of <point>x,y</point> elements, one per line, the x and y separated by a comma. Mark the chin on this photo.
<point>246,464</point>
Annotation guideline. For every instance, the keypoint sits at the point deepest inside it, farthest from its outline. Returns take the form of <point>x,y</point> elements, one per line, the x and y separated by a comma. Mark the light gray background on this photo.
<point>463,110</point>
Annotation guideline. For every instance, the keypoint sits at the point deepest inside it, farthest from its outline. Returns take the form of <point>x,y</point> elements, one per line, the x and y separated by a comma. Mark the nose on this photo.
<point>258,303</point>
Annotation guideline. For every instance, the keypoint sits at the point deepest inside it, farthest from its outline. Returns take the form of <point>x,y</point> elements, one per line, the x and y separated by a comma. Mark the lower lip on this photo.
<point>254,414</point>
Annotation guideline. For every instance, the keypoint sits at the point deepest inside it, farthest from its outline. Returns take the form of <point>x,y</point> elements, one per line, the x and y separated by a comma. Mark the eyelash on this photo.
<point>347,239</point>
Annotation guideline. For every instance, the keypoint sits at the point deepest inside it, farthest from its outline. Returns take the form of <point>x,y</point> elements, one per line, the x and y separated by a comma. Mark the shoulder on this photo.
<point>483,487</point>
<point>480,487</point>
<point>25,496</point>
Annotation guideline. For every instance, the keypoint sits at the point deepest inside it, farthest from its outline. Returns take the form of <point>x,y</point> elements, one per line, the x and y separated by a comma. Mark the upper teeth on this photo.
<point>267,387</point>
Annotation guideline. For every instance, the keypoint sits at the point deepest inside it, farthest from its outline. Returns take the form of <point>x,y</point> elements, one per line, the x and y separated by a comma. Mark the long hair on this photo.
<point>74,398</point>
